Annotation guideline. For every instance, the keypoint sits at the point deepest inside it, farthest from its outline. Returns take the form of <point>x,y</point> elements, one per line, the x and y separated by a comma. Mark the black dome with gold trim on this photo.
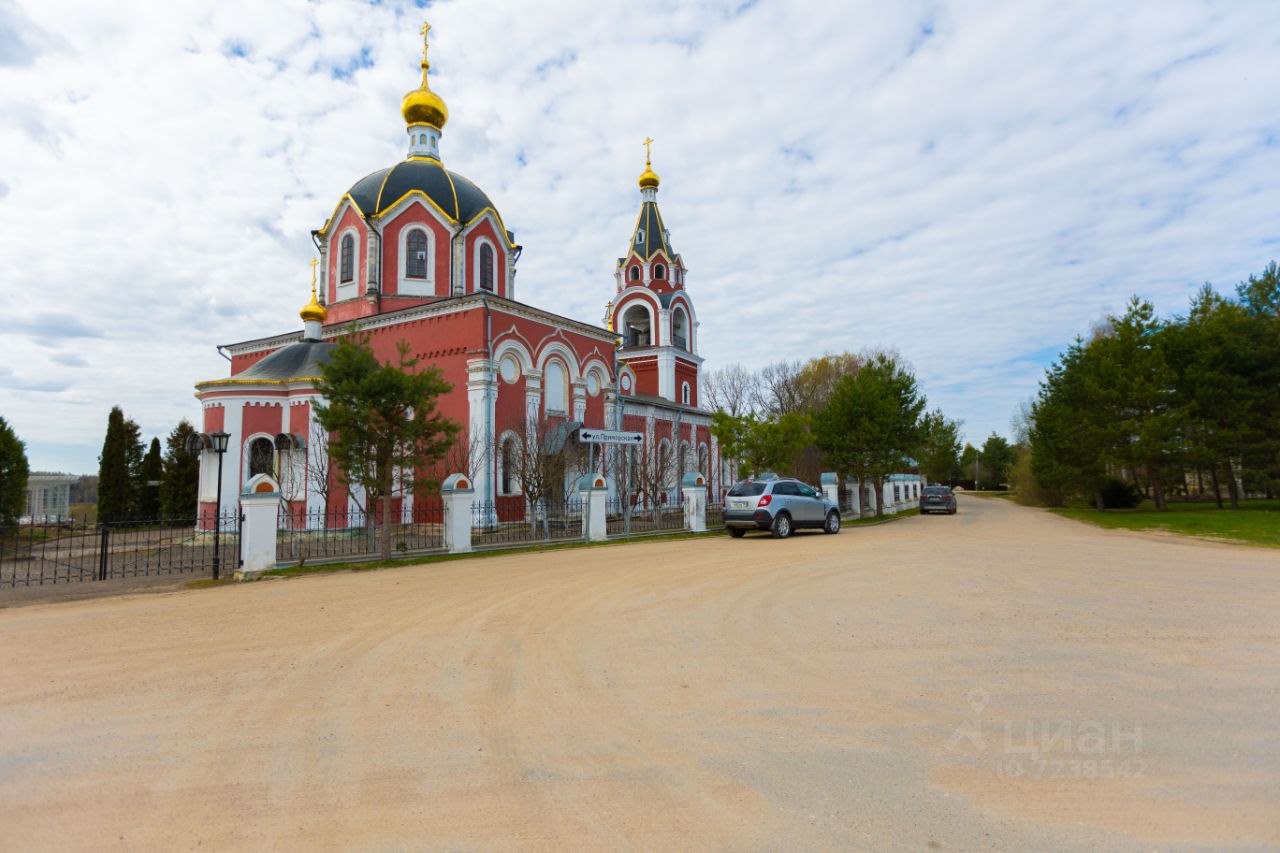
<point>456,196</point>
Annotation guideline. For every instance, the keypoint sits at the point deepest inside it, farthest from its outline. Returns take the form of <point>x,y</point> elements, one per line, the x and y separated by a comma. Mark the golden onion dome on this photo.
<point>648,178</point>
<point>421,105</point>
<point>313,310</point>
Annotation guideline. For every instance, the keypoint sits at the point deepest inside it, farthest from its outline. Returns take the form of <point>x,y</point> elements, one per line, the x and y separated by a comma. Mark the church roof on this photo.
<point>650,235</point>
<point>457,197</point>
<point>301,360</point>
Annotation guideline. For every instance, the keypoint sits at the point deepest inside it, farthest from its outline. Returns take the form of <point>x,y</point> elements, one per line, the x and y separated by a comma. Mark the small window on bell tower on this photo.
<point>635,274</point>
<point>659,271</point>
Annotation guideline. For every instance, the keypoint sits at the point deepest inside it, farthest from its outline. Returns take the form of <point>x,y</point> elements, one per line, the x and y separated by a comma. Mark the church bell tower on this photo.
<point>651,310</point>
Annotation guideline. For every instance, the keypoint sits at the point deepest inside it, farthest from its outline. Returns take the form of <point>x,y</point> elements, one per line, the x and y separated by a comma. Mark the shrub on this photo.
<point>1117,494</point>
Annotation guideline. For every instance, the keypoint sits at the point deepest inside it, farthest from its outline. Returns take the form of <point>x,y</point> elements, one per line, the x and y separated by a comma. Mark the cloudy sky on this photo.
<point>969,183</point>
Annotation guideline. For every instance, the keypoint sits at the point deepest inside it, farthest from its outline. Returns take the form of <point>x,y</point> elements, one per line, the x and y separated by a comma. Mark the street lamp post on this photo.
<point>219,440</point>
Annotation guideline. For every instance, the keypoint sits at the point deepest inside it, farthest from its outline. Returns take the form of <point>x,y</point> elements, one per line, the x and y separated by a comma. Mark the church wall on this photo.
<point>484,230</point>
<point>686,372</point>
<point>393,258</point>
<point>646,371</point>
<point>349,220</point>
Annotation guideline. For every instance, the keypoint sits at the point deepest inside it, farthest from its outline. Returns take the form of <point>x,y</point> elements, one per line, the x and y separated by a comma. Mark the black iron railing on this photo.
<point>507,522</point>
<point>71,552</point>
<point>349,532</point>
<point>638,516</point>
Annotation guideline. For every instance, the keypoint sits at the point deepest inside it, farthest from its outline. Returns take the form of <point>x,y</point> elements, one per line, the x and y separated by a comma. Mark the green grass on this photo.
<point>1256,522</point>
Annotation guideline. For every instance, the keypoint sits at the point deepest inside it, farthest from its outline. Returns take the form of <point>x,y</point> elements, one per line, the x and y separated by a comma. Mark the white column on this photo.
<point>482,396</point>
<point>579,389</point>
<point>667,374</point>
<point>856,492</point>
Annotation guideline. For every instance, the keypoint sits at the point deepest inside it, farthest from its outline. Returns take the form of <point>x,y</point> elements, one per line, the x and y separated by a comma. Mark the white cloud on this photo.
<point>970,183</point>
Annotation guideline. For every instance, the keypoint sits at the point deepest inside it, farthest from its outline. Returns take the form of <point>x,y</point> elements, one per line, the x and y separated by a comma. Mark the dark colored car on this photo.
<point>780,506</point>
<point>937,499</point>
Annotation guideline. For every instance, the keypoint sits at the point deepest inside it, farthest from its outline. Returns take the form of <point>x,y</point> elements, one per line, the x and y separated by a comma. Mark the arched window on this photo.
<point>508,483</point>
<point>636,331</point>
<point>684,393</point>
<point>634,274</point>
<point>680,329</point>
<point>415,250</point>
<point>556,387</point>
<point>347,270</point>
<point>659,271</point>
<point>486,267</point>
<point>261,456</point>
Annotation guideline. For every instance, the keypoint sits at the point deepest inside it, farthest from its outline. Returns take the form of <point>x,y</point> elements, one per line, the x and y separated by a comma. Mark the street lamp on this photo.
<point>219,440</point>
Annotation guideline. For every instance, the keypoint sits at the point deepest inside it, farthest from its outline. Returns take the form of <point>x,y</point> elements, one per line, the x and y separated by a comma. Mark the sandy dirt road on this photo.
<point>934,683</point>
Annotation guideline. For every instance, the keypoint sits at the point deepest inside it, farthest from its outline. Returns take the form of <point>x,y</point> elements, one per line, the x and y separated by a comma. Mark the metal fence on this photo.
<point>347,532</point>
<point>625,518</point>
<point>715,515</point>
<point>68,552</point>
<point>507,523</point>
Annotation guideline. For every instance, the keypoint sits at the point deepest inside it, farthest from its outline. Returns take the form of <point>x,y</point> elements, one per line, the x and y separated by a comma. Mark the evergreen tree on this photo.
<point>997,459</point>
<point>1070,430</point>
<point>180,475</point>
<point>13,475</point>
<point>871,421</point>
<point>939,454</point>
<point>1136,378</point>
<point>148,484</point>
<point>383,420</point>
<point>118,469</point>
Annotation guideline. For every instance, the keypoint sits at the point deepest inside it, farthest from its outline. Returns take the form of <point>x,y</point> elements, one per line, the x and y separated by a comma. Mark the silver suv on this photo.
<point>778,505</point>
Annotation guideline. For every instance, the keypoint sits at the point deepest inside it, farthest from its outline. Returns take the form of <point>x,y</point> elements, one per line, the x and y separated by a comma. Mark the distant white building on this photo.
<point>48,496</point>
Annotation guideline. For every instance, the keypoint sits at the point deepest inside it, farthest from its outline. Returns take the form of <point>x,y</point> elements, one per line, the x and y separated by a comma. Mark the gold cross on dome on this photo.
<point>426,28</point>
<point>314,264</point>
<point>648,140</point>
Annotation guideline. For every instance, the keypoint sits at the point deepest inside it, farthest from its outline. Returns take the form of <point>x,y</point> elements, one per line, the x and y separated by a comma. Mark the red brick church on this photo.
<point>418,253</point>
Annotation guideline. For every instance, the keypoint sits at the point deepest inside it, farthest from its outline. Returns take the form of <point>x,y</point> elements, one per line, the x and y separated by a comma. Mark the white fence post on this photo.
<point>830,487</point>
<point>260,502</point>
<point>458,494</point>
<point>593,491</point>
<point>693,487</point>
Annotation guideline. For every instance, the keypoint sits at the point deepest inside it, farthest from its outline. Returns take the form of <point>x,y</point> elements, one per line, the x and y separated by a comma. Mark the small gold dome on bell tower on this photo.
<point>648,178</point>
<point>421,105</point>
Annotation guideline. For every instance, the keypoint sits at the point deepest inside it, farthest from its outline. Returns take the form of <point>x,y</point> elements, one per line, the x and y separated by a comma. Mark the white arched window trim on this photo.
<point>475,266</point>
<point>346,289</point>
<point>415,286</point>
<point>684,394</point>
<point>511,440</point>
<point>686,333</point>
<point>555,400</point>
<point>644,303</point>
<point>246,457</point>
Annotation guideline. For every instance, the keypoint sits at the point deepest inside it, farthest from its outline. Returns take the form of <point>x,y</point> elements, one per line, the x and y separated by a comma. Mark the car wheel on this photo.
<point>782,526</point>
<point>952,512</point>
<point>833,522</point>
<point>737,532</point>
